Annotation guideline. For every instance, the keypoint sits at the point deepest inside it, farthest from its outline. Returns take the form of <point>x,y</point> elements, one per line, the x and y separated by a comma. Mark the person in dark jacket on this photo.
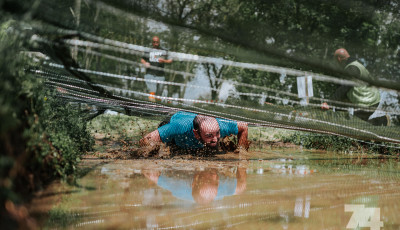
<point>361,96</point>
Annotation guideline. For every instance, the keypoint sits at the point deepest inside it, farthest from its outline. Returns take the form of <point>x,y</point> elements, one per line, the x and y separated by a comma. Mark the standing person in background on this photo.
<point>361,96</point>
<point>154,62</point>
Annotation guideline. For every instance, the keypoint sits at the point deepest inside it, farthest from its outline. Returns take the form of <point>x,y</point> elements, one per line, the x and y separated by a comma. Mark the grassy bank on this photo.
<point>340,144</point>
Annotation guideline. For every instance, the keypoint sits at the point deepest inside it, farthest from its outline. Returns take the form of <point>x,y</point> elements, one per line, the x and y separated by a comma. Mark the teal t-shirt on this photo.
<point>180,130</point>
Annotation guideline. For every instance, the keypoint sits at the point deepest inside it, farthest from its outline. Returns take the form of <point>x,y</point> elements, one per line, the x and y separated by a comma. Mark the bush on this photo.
<point>57,135</point>
<point>41,137</point>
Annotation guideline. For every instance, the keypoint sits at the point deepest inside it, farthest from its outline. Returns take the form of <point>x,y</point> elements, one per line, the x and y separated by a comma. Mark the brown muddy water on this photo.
<point>271,190</point>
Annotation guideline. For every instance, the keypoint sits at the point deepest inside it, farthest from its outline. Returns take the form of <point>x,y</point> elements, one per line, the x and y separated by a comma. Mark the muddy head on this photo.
<point>207,130</point>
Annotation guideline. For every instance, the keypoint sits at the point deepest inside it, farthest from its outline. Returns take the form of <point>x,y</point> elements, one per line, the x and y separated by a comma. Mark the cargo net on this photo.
<point>100,58</point>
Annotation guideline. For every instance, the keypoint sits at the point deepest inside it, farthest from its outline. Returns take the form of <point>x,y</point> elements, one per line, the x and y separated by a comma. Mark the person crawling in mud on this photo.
<point>194,133</point>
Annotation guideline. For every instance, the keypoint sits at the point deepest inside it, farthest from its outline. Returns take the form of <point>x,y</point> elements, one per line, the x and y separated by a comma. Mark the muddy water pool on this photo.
<point>270,190</point>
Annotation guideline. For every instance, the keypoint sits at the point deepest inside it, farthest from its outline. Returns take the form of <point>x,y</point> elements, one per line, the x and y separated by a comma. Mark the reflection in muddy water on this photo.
<point>292,191</point>
<point>200,186</point>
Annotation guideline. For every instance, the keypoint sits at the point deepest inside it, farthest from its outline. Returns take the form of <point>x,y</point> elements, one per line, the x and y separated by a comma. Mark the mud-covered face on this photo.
<point>210,133</point>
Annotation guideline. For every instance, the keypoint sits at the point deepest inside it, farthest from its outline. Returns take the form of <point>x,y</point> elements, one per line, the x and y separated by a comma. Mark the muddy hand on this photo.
<point>149,150</point>
<point>245,145</point>
<point>241,150</point>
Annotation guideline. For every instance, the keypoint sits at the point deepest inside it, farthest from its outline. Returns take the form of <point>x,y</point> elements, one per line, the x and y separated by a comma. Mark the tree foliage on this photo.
<point>302,31</point>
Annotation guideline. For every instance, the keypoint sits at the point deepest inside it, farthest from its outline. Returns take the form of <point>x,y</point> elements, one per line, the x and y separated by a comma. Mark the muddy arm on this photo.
<point>242,135</point>
<point>150,139</point>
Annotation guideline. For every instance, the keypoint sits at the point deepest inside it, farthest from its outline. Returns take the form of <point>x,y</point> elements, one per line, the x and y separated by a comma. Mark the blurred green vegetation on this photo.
<point>297,33</point>
<point>41,137</point>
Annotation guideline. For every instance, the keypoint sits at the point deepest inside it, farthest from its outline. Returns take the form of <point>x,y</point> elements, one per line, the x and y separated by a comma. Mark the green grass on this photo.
<point>121,126</point>
<point>341,144</point>
<point>262,137</point>
<point>114,131</point>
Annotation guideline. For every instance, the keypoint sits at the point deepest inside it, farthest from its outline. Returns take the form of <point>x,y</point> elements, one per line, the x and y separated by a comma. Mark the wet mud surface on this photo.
<point>228,149</point>
<point>276,189</point>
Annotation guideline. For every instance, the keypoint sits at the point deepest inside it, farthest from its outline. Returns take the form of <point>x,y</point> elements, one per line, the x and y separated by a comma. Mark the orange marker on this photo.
<point>151,97</point>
